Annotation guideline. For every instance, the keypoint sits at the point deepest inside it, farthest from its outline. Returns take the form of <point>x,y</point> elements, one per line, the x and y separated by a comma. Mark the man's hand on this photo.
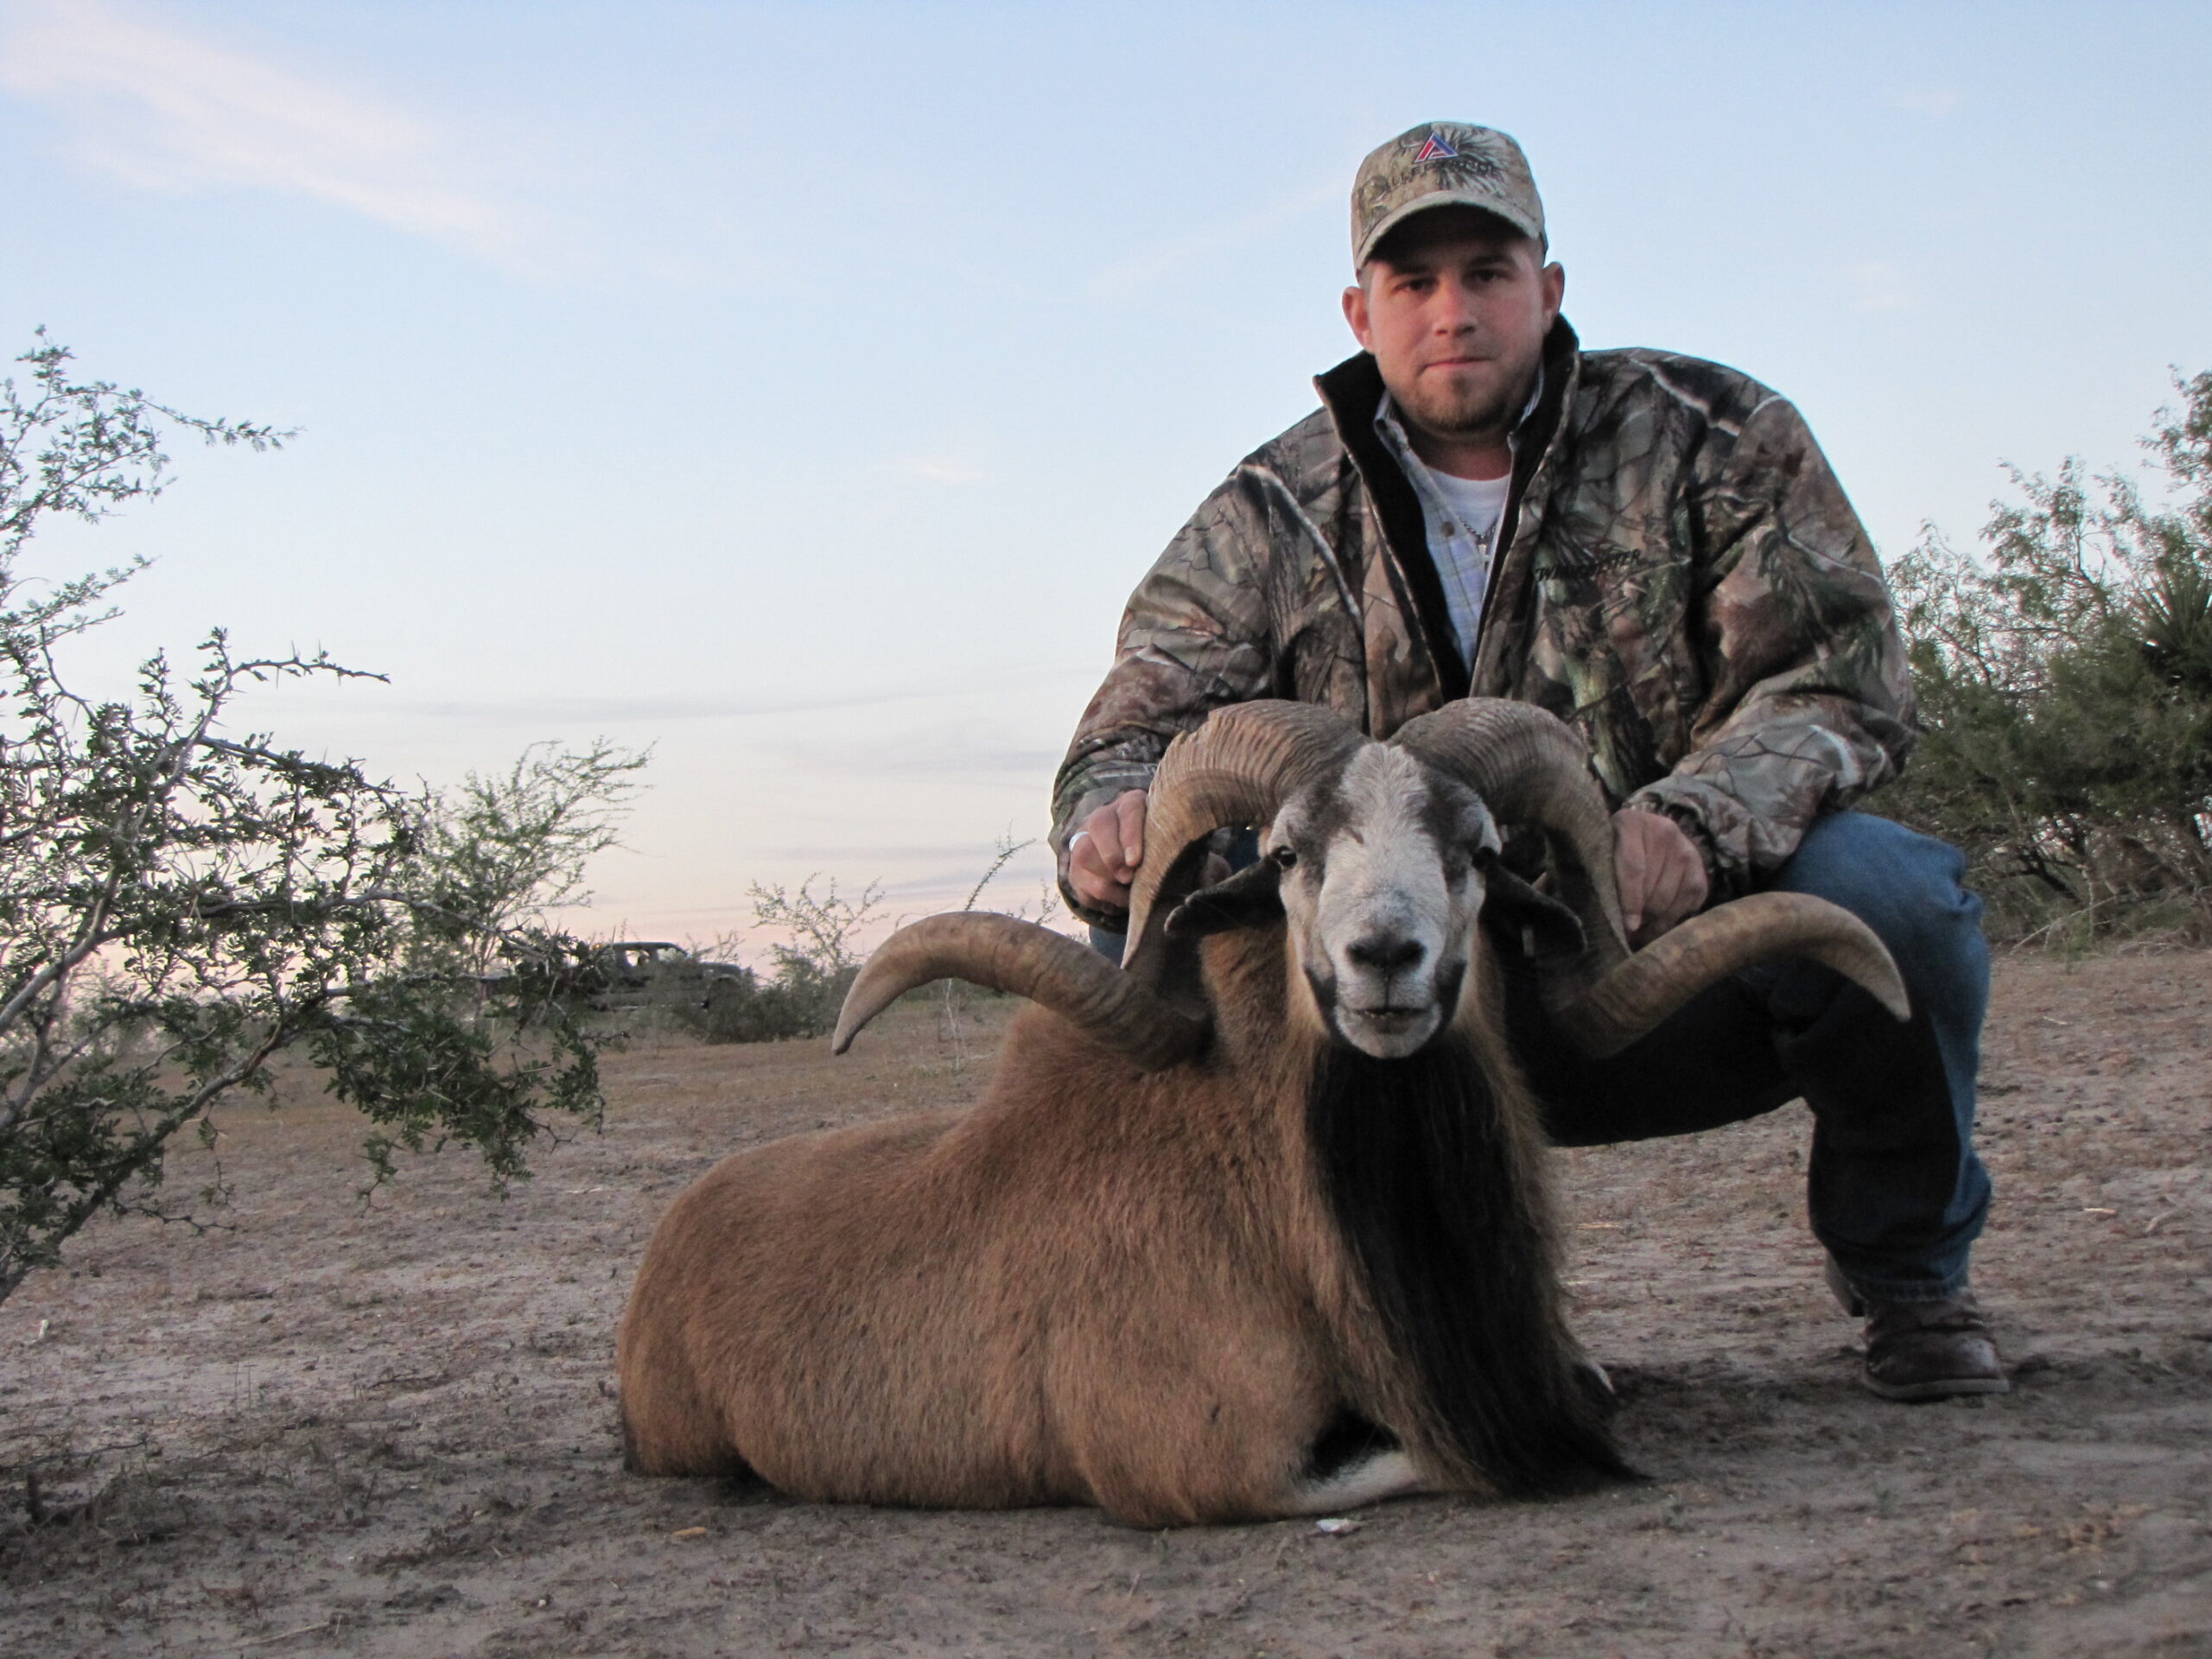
<point>1659,871</point>
<point>1104,855</point>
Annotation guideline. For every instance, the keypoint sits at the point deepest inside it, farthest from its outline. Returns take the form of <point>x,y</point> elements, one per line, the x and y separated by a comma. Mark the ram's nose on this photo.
<point>1387,953</point>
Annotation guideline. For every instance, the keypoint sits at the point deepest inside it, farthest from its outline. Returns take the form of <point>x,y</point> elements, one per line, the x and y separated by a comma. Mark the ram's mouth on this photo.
<point>1389,1033</point>
<point>1390,1021</point>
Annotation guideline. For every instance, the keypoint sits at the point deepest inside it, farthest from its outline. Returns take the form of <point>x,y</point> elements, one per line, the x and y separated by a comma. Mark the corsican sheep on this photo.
<point>1257,1226</point>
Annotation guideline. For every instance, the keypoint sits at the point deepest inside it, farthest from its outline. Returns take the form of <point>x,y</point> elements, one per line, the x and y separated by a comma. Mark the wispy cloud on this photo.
<point>165,110</point>
<point>961,855</point>
<point>1878,285</point>
<point>1133,274</point>
<point>950,470</point>
<point>633,710</point>
<point>962,750</point>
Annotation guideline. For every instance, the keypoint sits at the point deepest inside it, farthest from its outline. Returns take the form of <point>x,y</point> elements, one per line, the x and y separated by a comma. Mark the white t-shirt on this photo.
<point>1477,503</point>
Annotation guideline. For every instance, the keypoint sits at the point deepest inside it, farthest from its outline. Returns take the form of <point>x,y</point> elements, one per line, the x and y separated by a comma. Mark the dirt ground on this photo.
<point>390,1430</point>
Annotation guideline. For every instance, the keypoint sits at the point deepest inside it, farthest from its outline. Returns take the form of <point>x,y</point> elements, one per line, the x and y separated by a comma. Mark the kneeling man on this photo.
<point>1653,548</point>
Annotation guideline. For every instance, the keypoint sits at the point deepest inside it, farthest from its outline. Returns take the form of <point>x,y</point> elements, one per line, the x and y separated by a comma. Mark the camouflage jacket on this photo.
<point>1681,577</point>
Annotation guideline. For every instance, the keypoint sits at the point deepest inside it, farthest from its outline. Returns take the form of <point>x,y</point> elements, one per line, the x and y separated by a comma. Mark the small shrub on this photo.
<point>181,900</point>
<point>2065,685</point>
<point>740,1009</point>
<point>815,966</point>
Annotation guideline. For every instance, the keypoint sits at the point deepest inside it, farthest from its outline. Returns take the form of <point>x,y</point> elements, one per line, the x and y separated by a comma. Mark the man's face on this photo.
<point>1455,308</point>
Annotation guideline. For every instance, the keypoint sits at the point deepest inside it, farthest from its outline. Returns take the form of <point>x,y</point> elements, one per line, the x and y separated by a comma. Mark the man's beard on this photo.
<point>1459,410</point>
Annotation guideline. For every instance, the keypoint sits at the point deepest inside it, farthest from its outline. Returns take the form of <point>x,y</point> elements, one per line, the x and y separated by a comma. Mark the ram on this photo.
<point>1257,1226</point>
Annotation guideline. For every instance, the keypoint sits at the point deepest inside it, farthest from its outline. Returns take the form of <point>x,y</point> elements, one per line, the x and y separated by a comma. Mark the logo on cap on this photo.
<point>1438,148</point>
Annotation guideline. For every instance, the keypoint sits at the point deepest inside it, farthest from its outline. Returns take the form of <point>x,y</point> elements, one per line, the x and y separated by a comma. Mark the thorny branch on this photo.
<point>179,904</point>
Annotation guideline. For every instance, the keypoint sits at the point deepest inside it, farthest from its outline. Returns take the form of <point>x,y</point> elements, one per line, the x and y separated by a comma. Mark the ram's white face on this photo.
<point>1382,886</point>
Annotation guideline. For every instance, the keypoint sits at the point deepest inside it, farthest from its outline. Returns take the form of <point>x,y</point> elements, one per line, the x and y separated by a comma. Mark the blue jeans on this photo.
<point>1894,1189</point>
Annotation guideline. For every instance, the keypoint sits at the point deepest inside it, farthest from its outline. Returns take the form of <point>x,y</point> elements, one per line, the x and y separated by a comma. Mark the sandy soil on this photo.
<point>390,1431</point>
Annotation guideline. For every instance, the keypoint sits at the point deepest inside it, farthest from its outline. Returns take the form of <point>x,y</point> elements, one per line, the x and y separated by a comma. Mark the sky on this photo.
<point>799,389</point>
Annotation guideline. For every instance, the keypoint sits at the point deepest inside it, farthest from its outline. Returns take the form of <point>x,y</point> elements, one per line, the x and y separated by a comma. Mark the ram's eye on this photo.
<point>1284,856</point>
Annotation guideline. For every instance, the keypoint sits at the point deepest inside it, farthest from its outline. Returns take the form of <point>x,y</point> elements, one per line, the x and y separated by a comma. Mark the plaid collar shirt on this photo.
<point>1462,551</point>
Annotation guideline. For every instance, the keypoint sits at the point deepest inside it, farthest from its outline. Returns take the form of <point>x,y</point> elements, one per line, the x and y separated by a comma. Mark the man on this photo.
<point>1653,548</point>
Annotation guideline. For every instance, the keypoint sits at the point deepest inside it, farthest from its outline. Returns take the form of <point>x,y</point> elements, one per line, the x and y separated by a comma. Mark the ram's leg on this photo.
<point>1352,1463</point>
<point>666,1430</point>
<point>1307,1457</point>
<point>1222,1419</point>
<point>668,1426</point>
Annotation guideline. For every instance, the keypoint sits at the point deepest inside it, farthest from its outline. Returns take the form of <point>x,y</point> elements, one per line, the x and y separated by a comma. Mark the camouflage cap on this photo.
<point>1442,164</point>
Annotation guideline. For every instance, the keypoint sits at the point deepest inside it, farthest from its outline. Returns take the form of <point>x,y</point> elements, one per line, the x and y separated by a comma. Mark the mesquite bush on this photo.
<point>2065,683</point>
<point>180,901</point>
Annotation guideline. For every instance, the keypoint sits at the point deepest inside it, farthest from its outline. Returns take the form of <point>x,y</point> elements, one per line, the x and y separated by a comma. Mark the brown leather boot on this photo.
<point>1923,1351</point>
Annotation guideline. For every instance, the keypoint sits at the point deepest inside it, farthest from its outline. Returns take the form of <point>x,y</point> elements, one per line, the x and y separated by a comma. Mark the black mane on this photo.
<point>1419,1169</point>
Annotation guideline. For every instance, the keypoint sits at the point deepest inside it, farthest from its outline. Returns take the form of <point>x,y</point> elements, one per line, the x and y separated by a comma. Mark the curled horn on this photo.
<point>1657,980</point>
<point>1236,769</point>
<point>1027,960</point>
<point>1530,768</point>
<point>1239,767</point>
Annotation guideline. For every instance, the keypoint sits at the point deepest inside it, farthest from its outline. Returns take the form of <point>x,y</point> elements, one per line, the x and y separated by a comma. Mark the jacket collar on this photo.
<point>1351,392</point>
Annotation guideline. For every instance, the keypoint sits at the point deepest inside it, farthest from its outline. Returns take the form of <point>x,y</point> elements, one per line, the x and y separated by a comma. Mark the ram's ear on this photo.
<point>1248,899</point>
<point>1545,929</point>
